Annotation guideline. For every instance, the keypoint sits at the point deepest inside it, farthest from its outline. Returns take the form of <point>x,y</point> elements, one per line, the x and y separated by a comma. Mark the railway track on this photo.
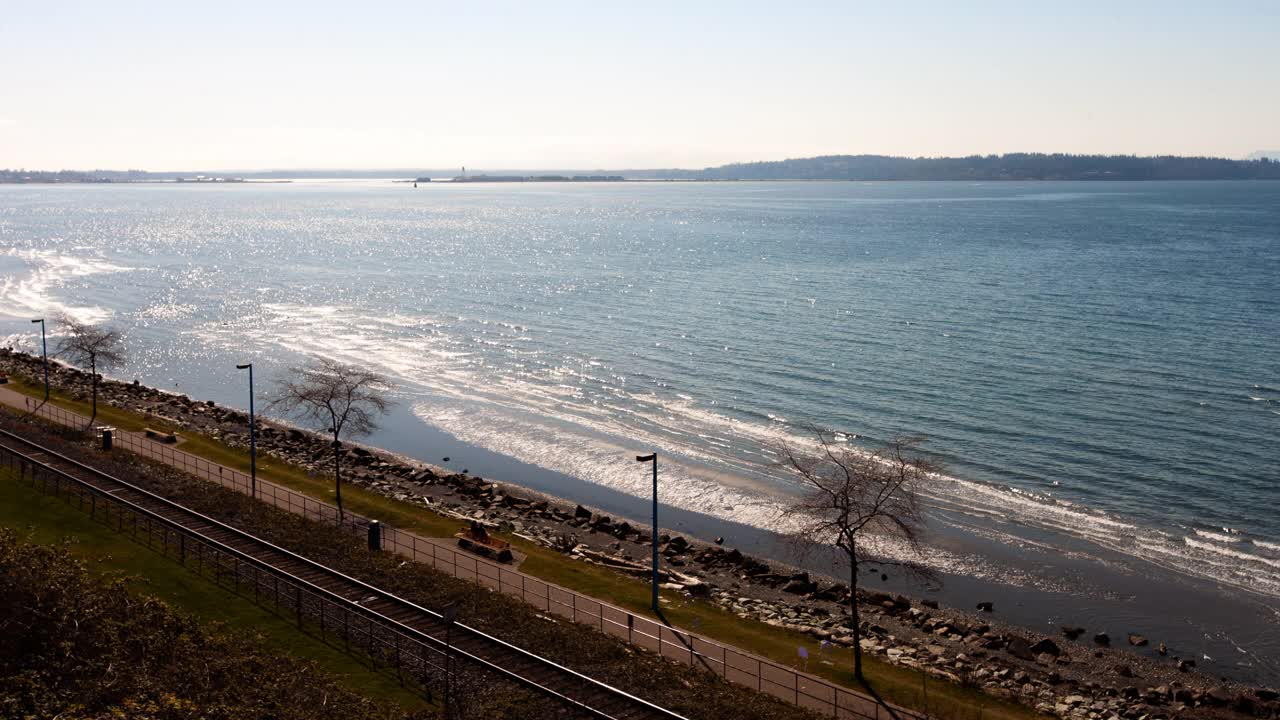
<point>578,693</point>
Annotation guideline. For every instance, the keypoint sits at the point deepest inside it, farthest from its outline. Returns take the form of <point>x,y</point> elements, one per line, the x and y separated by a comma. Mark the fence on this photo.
<point>336,618</point>
<point>682,646</point>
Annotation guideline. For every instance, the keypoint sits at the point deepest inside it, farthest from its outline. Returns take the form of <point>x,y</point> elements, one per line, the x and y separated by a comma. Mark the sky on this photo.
<point>601,84</point>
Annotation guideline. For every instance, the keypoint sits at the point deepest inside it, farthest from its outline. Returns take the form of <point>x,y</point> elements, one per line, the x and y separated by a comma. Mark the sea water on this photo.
<point>1092,361</point>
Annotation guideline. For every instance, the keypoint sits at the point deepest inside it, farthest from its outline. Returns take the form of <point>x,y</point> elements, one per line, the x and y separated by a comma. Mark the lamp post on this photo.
<point>653,457</point>
<point>253,435</point>
<point>44,350</point>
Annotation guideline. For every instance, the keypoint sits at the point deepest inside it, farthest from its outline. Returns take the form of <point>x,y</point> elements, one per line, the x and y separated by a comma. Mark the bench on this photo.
<point>478,540</point>
<point>161,435</point>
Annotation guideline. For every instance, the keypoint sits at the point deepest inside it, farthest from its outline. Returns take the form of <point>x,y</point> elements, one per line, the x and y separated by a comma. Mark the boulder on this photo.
<point>1019,648</point>
<point>835,593</point>
<point>1102,639</point>
<point>798,586</point>
<point>985,607</point>
<point>1072,632</point>
<point>1137,640</point>
<point>1123,671</point>
<point>1219,697</point>
<point>1186,665</point>
<point>1265,694</point>
<point>581,512</point>
<point>1046,646</point>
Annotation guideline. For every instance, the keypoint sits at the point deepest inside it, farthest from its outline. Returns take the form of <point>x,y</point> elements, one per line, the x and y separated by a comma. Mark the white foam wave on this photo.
<point>1226,537</point>
<point>1229,552</point>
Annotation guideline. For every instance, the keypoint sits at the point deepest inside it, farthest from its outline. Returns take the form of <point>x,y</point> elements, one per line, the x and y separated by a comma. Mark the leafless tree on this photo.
<point>853,499</point>
<point>91,345</point>
<point>337,398</point>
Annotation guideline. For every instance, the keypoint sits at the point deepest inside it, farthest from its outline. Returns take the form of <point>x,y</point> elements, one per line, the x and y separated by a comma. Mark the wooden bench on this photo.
<point>161,435</point>
<point>478,540</point>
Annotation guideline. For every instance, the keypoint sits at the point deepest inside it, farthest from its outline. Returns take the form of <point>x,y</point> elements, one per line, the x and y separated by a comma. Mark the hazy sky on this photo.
<point>223,85</point>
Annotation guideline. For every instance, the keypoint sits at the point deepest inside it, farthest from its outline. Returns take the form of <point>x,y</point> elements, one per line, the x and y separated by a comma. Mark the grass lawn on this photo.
<point>898,684</point>
<point>45,519</point>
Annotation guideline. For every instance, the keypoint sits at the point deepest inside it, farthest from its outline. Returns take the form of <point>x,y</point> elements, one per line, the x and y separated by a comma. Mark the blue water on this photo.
<point>1097,360</point>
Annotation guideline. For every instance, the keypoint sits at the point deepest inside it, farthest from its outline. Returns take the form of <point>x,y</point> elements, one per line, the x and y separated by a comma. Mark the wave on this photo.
<point>1229,552</point>
<point>580,417</point>
<point>1227,536</point>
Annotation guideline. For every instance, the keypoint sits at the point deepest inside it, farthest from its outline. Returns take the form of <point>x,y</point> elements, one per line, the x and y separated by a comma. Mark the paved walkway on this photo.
<point>674,643</point>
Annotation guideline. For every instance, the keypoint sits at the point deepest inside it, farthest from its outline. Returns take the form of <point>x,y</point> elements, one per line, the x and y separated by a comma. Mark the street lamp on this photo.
<point>253,434</point>
<point>44,349</point>
<point>653,457</point>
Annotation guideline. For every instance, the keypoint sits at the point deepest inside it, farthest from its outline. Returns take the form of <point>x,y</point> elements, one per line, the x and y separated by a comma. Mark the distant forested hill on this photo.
<point>1014,166</point>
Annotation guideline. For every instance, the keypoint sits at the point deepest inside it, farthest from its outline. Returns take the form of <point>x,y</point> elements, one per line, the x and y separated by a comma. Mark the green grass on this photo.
<point>46,519</point>
<point>895,683</point>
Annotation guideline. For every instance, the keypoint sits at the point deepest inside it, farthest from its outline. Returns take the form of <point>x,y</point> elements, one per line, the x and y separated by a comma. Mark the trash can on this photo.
<point>375,535</point>
<point>106,433</point>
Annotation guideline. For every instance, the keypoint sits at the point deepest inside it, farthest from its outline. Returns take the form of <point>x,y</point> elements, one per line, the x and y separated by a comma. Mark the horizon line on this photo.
<point>1253,156</point>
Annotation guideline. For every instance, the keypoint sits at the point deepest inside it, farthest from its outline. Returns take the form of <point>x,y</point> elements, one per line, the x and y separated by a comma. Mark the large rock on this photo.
<point>1102,639</point>
<point>1072,632</point>
<point>835,593</point>
<point>1020,648</point>
<point>800,584</point>
<point>581,512</point>
<point>1046,646</point>
<point>1219,697</point>
<point>1137,640</point>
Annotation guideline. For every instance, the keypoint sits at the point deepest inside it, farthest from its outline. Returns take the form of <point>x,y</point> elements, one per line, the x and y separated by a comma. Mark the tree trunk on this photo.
<point>93,382</point>
<point>337,474</point>
<point>857,625</point>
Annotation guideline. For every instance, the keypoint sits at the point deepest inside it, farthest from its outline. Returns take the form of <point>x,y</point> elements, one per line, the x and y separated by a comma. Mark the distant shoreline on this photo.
<point>633,181</point>
<point>857,168</point>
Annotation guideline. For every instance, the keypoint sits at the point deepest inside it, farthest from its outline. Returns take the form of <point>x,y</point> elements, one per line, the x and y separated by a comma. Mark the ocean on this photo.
<point>1095,363</point>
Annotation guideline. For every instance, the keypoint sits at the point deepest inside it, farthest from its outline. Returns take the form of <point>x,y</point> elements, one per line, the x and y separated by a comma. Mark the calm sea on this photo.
<point>1096,361</point>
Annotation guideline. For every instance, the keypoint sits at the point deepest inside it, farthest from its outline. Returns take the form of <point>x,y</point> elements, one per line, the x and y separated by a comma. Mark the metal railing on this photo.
<point>762,674</point>
<point>576,694</point>
<point>414,659</point>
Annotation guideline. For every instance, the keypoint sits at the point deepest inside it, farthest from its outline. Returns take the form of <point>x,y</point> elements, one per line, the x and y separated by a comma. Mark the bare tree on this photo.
<point>337,398</point>
<point>854,499</point>
<point>91,345</point>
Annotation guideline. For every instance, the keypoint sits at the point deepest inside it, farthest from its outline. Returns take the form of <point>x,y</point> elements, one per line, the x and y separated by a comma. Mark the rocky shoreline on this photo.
<point>1077,674</point>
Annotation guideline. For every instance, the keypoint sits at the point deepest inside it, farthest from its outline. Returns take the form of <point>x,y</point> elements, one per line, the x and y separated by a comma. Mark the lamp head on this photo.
<point>38,320</point>
<point>647,458</point>
<point>246,366</point>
